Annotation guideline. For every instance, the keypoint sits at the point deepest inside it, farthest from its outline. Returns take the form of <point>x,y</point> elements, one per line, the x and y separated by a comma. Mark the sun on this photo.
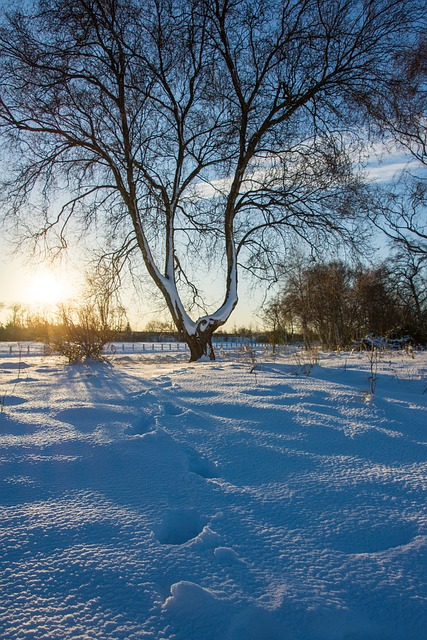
<point>46,288</point>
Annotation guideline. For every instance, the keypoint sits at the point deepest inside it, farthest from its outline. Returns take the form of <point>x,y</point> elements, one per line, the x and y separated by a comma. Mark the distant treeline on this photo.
<point>334,305</point>
<point>22,326</point>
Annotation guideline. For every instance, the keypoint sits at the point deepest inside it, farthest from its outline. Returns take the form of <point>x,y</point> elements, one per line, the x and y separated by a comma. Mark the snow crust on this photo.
<point>160,500</point>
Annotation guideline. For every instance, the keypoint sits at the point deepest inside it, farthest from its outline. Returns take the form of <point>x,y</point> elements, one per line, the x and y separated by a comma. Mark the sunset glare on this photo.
<point>46,289</point>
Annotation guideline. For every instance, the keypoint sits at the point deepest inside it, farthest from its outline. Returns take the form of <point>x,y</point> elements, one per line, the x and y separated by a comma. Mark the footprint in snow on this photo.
<point>19,490</point>
<point>12,401</point>
<point>198,395</point>
<point>14,428</point>
<point>145,394</point>
<point>87,419</point>
<point>201,465</point>
<point>179,526</point>
<point>14,365</point>
<point>164,382</point>
<point>171,409</point>
<point>374,539</point>
<point>254,623</point>
<point>144,424</point>
<point>261,392</point>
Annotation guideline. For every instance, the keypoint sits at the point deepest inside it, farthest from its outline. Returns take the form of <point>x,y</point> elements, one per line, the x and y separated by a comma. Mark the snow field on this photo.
<point>152,499</point>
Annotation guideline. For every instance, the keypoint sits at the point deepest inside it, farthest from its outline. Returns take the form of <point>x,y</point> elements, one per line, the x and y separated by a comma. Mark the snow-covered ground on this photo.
<point>150,499</point>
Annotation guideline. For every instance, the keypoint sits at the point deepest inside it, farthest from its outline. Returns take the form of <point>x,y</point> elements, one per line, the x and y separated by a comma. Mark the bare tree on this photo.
<point>400,209</point>
<point>329,305</point>
<point>403,113</point>
<point>280,319</point>
<point>375,308</point>
<point>335,304</point>
<point>317,300</point>
<point>214,128</point>
<point>400,212</point>
<point>409,279</point>
<point>102,295</point>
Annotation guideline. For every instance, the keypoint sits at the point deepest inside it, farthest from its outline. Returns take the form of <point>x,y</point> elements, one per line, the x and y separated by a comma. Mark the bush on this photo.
<point>81,335</point>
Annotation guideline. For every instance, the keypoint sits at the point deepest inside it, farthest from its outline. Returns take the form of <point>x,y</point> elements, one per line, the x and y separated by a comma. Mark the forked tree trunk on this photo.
<point>198,335</point>
<point>200,344</point>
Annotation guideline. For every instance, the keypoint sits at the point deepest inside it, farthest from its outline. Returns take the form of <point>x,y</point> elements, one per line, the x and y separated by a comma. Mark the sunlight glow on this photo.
<point>45,288</point>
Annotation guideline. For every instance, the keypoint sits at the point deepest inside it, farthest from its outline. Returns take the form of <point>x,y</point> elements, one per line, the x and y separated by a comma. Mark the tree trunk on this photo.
<point>200,344</point>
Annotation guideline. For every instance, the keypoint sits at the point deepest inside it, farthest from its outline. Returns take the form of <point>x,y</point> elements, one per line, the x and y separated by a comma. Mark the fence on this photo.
<point>20,349</point>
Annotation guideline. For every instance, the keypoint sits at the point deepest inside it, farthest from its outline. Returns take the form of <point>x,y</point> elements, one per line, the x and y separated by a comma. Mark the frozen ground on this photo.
<point>154,499</point>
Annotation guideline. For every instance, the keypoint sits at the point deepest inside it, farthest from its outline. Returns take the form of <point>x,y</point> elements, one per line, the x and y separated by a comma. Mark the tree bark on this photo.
<point>200,344</point>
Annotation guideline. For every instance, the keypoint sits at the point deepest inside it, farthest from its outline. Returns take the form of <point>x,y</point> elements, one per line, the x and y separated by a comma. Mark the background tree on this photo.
<point>376,310</point>
<point>329,304</point>
<point>15,323</point>
<point>409,284</point>
<point>336,305</point>
<point>102,295</point>
<point>400,209</point>
<point>402,114</point>
<point>160,327</point>
<point>196,127</point>
<point>277,322</point>
<point>400,212</point>
<point>317,300</point>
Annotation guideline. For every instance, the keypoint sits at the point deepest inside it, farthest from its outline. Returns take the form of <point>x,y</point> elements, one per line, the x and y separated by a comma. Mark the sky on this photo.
<point>41,286</point>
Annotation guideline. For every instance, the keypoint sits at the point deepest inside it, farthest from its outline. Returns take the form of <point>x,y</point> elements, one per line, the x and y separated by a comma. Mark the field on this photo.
<point>146,498</point>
